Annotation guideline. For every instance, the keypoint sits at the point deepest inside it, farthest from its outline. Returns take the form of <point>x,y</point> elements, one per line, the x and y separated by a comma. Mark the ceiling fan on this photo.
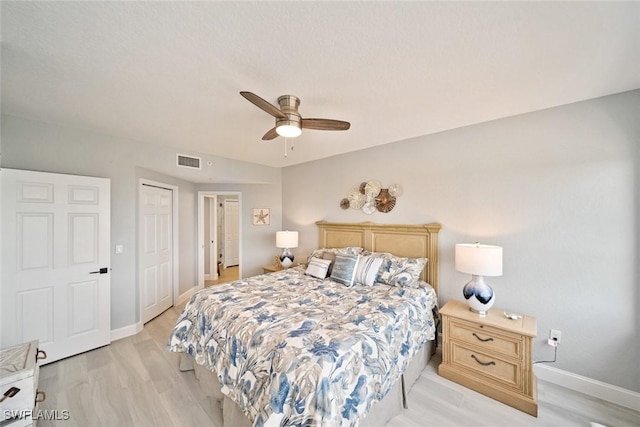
<point>289,123</point>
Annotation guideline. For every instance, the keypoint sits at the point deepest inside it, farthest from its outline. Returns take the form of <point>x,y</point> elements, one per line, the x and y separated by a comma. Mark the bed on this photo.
<point>285,348</point>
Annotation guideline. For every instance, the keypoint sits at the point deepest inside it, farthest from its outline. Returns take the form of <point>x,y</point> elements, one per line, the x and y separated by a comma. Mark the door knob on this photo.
<point>103,270</point>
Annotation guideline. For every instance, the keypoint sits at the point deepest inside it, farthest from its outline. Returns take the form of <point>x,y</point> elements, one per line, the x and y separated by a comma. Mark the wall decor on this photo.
<point>370,197</point>
<point>261,216</point>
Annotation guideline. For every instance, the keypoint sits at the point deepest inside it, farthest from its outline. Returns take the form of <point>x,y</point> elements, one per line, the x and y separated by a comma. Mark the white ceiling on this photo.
<point>170,73</point>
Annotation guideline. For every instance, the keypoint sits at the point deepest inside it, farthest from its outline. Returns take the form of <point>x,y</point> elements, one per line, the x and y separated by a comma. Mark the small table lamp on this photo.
<point>286,240</point>
<point>479,260</point>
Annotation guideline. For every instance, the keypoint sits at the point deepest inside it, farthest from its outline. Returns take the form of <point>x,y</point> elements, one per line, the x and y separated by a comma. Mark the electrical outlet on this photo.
<point>555,335</point>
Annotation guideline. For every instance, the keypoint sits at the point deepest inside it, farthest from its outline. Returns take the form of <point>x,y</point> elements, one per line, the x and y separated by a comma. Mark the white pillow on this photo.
<point>344,269</point>
<point>318,267</point>
<point>367,270</point>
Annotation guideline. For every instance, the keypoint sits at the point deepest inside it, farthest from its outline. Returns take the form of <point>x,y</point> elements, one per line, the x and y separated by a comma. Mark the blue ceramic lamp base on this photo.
<point>479,295</point>
<point>286,258</point>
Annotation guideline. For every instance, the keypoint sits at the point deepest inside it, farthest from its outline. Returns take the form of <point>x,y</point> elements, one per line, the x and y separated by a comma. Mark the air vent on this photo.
<point>188,161</point>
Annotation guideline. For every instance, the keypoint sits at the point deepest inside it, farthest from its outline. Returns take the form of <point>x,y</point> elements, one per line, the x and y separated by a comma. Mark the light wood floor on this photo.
<point>136,382</point>
<point>227,275</point>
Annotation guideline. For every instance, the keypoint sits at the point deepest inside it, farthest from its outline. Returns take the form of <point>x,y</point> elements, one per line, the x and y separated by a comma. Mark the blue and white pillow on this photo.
<point>344,269</point>
<point>347,250</point>
<point>318,267</point>
<point>367,270</point>
<point>399,271</point>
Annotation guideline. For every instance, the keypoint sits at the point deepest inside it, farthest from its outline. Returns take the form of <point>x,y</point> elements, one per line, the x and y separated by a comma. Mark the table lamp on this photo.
<point>286,240</point>
<point>479,261</point>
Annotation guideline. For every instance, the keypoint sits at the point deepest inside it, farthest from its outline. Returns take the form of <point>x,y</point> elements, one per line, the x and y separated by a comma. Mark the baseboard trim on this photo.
<point>126,331</point>
<point>614,394</point>
<point>185,296</point>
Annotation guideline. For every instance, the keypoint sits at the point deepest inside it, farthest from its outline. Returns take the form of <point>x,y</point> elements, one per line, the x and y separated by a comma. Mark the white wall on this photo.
<point>557,189</point>
<point>34,145</point>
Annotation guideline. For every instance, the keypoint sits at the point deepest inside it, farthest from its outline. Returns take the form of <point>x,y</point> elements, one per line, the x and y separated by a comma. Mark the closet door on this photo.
<point>156,252</point>
<point>231,233</point>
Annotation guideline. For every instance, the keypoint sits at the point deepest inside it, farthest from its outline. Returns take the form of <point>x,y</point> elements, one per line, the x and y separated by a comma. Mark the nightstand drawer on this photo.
<point>486,337</point>
<point>507,373</point>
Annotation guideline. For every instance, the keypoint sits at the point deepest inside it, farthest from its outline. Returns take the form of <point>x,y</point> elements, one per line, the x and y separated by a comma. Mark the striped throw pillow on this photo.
<point>367,270</point>
<point>318,267</point>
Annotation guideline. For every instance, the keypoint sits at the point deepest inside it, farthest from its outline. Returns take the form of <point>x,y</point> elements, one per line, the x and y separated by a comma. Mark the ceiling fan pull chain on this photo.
<point>285,146</point>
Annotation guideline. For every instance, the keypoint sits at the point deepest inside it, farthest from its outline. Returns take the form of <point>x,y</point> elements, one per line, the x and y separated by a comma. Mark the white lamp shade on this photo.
<point>286,239</point>
<point>480,260</point>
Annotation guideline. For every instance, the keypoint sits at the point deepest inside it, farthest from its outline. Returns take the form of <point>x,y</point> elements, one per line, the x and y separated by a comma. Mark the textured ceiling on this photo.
<point>170,73</point>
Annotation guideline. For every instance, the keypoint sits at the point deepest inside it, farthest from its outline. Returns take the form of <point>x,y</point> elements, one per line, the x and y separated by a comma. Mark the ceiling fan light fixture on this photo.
<point>289,127</point>
<point>289,130</point>
<point>289,123</point>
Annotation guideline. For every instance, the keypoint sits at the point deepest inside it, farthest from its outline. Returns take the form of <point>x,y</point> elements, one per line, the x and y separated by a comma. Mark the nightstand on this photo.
<point>19,369</point>
<point>271,268</point>
<point>490,354</point>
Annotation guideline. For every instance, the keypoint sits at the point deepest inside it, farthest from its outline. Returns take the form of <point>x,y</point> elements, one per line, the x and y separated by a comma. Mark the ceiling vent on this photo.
<point>189,162</point>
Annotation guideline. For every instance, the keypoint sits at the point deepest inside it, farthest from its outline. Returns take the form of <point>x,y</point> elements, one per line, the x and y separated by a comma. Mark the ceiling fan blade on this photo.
<point>261,103</point>
<point>325,124</point>
<point>271,134</point>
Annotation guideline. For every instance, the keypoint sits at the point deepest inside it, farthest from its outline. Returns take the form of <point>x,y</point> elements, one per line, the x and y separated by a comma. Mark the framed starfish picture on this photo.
<point>261,216</point>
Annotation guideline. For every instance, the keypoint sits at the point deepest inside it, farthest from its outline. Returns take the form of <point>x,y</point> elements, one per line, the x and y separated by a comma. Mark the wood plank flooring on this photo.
<point>228,274</point>
<point>136,382</point>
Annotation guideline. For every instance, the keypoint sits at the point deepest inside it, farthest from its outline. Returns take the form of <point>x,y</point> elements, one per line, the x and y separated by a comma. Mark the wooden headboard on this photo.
<point>416,241</point>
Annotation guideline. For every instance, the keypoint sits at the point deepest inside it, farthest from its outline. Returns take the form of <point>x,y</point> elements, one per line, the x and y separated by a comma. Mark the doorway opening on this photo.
<point>219,237</point>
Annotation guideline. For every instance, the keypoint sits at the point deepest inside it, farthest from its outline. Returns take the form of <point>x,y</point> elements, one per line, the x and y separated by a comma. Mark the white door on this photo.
<point>56,284</point>
<point>156,250</point>
<point>231,233</point>
<point>213,237</point>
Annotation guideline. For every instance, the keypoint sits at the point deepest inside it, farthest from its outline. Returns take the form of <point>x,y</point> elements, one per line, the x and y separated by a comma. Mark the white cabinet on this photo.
<point>19,383</point>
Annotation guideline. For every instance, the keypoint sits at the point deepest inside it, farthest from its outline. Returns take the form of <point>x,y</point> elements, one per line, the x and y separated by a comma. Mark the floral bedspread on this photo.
<point>293,350</point>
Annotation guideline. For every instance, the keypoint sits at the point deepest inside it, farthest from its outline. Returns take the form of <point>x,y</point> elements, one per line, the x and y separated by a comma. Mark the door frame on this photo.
<point>212,237</point>
<point>200,239</point>
<point>174,243</point>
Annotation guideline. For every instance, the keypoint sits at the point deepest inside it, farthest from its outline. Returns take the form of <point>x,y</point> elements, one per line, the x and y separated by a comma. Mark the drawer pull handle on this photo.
<point>483,363</point>
<point>482,339</point>
<point>41,354</point>
<point>40,396</point>
<point>9,393</point>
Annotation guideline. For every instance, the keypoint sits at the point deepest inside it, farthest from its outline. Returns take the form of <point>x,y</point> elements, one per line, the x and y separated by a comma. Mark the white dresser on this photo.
<point>19,384</point>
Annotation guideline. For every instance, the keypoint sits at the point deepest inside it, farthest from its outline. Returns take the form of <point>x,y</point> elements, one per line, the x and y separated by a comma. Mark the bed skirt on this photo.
<point>227,413</point>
